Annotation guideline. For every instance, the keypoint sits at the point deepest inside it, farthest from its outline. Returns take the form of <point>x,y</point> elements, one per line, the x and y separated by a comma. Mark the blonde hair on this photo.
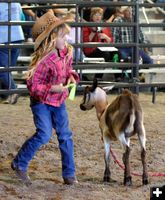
<point>47,46</point>
<point>95,10</point>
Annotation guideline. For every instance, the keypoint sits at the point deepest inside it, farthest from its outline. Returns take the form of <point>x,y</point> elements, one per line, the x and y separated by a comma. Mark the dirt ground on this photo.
<point>16,125</point>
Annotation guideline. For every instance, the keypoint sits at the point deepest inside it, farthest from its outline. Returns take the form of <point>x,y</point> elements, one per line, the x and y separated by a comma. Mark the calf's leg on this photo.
<point>125,144</point>
<point>127,173</point>
<point>107,173</point>
<point>142,139</point>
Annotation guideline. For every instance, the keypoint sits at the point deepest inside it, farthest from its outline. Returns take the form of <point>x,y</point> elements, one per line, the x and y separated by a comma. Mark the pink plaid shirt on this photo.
<point>51,70</point>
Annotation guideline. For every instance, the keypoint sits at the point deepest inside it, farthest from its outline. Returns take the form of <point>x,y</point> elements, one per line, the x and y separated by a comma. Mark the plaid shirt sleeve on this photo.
<point>37,85</point>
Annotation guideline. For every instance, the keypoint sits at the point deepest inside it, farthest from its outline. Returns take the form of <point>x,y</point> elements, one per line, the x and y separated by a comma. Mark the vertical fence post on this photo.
<point>76,35</point>
<point>81,39</point>
<point>9,41</point>
<point>135,69</point>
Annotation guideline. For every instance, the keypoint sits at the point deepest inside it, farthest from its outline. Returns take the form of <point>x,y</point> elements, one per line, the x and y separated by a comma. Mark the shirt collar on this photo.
<point>63,52</point>
<point>54,54</point>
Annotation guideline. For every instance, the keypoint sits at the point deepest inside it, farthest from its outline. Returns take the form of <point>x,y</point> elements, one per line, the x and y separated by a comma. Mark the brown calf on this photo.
<point>119,120</point>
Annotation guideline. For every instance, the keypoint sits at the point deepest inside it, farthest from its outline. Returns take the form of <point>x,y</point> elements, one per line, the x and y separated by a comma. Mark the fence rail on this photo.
<point>78,65</point>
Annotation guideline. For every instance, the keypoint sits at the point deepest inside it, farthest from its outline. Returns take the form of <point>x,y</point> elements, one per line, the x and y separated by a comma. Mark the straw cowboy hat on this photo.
<point>44,25</point>
<point>59,11</point>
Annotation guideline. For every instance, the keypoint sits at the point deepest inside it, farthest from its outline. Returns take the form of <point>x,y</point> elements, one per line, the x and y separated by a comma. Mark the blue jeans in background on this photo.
<point>6,78</point>
<point>127,52</point>
<point>47,117</point>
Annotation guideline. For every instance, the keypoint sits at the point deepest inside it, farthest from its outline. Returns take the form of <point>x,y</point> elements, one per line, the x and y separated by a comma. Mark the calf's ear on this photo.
<point>94,85</point>
<point>108,88</point>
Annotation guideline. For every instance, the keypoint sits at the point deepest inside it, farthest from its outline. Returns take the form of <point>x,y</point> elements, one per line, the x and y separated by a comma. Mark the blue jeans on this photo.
<point>127,52</point>
<point>6,78</point>
<point>45,118</point>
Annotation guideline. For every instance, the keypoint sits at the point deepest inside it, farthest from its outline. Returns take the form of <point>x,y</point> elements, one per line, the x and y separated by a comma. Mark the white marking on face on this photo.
<point>93,97</point>
<point>89,101</point>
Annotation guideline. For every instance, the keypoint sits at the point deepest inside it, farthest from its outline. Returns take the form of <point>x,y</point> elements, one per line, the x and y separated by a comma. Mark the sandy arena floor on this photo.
<point>16,125</point>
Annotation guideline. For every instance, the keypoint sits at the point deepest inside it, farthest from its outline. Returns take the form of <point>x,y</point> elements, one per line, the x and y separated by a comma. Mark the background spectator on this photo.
<point>29,15</point>
<point>97,34</point>
<point>162,1</point>
<point>125,35</point>
<point>16,36</point>
<point>71,38</point>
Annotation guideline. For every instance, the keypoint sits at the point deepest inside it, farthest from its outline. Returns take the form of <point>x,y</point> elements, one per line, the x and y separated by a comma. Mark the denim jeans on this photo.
<point>45,118</point>
<point>127,52</point>
<point>5,77</point>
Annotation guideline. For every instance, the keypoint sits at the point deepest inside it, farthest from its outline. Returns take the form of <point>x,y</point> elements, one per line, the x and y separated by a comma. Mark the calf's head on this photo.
<point>93,95</point>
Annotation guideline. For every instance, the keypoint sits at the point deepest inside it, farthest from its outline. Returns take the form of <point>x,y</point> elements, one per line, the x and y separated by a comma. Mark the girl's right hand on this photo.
<point>57,88</point>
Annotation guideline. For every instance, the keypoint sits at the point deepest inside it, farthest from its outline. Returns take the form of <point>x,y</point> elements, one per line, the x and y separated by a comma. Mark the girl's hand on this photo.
<point>71,80</point>
<point>57,88</point>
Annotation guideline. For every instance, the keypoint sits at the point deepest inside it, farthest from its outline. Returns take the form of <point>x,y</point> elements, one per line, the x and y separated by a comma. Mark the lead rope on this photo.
<point>152,174</point>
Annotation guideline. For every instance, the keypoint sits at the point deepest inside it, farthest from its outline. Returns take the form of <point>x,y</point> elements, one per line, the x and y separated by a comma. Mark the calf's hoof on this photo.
<point>128,181</point>
<point>145,181</point>
<point>109,180</point>
<point>106,179</point>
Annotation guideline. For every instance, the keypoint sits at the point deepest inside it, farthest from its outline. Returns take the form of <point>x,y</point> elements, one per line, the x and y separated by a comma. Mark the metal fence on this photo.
<point>78,65</point>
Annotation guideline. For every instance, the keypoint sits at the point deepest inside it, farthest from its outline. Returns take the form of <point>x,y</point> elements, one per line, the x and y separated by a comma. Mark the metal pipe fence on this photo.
<point>78,65</point>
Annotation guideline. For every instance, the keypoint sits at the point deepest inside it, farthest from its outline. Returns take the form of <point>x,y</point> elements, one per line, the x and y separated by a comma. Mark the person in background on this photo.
<point>97,34</point>
<point>71,38</point>
<point>16,36</point>
<point>84,13</point>
<point>109,14</point>
<point>162,1</point>
<point>29,15</point>
<point>50,71</point>
<point>125,35</point>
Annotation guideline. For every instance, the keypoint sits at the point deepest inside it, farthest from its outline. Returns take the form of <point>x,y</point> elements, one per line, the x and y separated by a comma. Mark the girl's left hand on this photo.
<point>71,80</point>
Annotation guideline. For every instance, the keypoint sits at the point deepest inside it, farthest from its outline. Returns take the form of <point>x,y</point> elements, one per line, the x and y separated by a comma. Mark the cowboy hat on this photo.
<point>44,25</point>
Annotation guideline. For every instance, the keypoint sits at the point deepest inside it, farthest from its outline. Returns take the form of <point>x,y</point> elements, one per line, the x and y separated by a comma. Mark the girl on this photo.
<point>50,70</point>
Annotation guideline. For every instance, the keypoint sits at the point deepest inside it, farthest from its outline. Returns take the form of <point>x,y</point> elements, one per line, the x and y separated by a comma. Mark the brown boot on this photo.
<point>70,181</point>
<point>21,175</point>
<point>8,100</point>
<point>14,98</point>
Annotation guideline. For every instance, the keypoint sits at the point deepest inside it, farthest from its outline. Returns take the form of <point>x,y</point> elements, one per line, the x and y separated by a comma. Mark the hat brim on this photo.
<point>60,11</point>
<point>47,31</point>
